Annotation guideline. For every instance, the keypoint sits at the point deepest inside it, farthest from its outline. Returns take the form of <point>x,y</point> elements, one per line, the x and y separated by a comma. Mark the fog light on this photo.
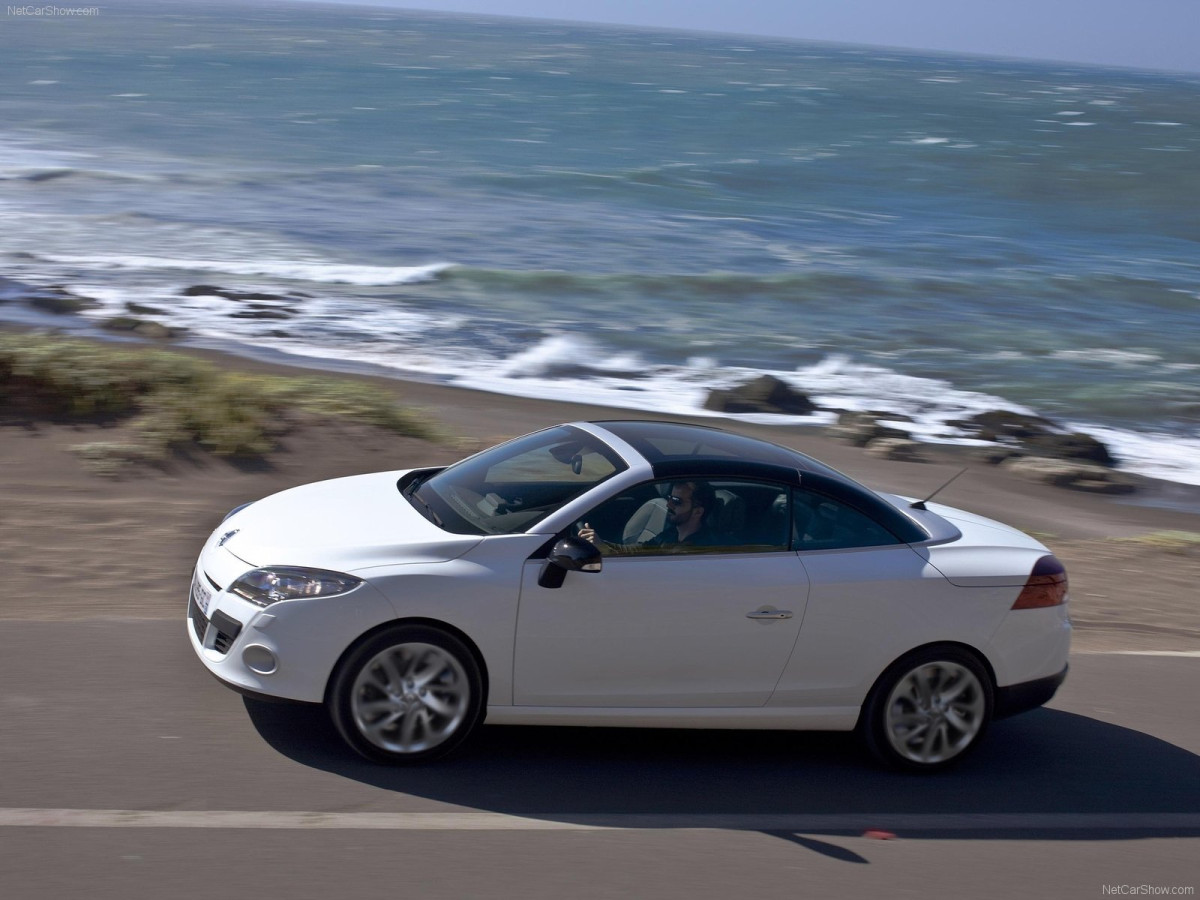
<point>259,659</point>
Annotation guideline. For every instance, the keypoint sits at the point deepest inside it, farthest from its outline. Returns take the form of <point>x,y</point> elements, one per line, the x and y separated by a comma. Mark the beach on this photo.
<point>79,545</point>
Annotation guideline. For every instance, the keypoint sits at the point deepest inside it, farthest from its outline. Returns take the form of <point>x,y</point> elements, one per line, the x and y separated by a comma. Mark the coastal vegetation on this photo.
<point>1170,541</point>
<point>169,401</point>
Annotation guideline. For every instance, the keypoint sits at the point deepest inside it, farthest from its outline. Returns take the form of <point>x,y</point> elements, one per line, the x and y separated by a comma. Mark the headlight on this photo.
<point>267,586</point>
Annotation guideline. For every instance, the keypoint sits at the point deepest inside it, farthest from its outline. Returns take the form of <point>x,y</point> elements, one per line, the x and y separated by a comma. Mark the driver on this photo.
<point>688,507</point>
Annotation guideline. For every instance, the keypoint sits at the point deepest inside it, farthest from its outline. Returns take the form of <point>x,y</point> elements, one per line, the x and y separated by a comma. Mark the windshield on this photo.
<point>510,488</point>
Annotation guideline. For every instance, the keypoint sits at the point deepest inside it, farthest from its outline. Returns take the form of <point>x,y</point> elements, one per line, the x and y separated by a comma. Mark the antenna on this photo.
<point>920,504</point>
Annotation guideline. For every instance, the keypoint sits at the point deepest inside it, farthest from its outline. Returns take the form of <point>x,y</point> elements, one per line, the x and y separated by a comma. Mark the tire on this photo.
<point>928,710</point>
<point>409,694</point>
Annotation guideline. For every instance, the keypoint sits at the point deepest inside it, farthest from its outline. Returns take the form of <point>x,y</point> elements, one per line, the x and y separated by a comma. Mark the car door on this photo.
<point>872,597</point>
<point>679,627</point>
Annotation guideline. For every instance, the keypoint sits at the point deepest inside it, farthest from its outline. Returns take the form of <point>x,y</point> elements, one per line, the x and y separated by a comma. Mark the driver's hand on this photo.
<point>587,532</point>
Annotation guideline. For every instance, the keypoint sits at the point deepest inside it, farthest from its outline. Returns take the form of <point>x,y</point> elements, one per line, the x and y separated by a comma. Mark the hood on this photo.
<point>343,524</point>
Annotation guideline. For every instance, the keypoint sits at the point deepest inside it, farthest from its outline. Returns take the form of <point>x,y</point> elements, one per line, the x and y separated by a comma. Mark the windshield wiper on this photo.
<point>429,513</point>
<point>416,500</point>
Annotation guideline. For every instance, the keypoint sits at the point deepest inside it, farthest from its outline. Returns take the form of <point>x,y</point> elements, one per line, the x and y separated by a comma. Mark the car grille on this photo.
<point>225,631</point>
<point>199,621</point>
<point>217,633</point>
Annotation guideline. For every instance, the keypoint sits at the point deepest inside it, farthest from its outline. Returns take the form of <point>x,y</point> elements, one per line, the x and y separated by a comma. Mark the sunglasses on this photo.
<point>676,500</point>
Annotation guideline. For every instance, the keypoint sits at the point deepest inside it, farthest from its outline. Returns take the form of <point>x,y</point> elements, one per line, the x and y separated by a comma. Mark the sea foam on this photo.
<point>298,270</point>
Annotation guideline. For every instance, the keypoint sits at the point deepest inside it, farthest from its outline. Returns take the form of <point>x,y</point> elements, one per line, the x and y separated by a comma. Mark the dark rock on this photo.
<point>210,290</point>
<point>860,429</point>
<point>202,290</point>
<point>141,327</point>
<point>1078,476</point>
<point>155,330</point>
<point>1035,436</point>
<point>120,323</point>
<point>58,301</point>
<point>766,394</point>
<point>261,314</point>
<point>1003,424</point>
<point>725,401</point>
<point>139,309</point>
<point>1071,446</point>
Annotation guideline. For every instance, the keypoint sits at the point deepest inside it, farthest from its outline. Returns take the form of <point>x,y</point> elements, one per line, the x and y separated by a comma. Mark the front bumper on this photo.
<point>287,650</point>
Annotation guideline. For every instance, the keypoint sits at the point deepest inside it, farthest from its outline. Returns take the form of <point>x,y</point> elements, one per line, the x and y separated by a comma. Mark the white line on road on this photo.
<point>482,821</point>
<point>1190,653</point>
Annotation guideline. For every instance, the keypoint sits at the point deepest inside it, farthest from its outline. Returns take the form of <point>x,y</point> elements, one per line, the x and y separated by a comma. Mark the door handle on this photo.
<point>769,614</point>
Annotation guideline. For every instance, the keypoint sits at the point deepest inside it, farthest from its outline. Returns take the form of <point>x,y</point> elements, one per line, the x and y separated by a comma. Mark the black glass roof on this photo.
<point>662,442</point>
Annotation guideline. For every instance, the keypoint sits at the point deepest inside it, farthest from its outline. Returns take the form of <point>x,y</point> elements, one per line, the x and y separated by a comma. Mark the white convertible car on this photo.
<point>631,573</point>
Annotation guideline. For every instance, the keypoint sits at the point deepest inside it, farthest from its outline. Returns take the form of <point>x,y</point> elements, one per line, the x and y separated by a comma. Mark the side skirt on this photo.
<point>842,718</point>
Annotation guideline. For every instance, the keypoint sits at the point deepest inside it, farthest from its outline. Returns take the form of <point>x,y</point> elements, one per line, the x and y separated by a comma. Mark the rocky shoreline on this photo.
<point>1032,447</point>
<point>60,300</point>
<point>1029,446</point>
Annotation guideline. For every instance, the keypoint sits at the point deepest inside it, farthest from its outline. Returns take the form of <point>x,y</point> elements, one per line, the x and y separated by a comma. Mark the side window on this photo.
<point>693,516</point>
<point>821,523</point>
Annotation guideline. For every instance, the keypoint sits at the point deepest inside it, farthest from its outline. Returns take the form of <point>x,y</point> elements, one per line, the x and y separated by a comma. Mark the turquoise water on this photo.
<point>625,216</point>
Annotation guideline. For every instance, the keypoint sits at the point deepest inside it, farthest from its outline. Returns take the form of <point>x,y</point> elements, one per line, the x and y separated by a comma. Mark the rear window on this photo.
<point>820,522</point>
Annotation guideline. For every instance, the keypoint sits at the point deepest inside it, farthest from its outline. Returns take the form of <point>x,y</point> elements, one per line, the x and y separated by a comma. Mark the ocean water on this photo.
<point>623,216</point>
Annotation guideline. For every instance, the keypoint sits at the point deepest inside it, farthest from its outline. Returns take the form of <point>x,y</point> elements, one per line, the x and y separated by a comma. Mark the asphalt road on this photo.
<point>127,772</point>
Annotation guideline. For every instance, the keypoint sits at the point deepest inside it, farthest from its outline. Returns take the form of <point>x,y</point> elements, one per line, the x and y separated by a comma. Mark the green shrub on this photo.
<point>85,377</point>
<point>176,400</point>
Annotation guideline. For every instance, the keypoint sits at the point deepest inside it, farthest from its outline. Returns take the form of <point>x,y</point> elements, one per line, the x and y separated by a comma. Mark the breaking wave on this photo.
<point>292,270</point>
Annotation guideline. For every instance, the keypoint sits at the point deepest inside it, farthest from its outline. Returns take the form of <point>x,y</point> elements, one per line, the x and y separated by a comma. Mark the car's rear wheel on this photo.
<point>408,694</point>
<point>928,710</point>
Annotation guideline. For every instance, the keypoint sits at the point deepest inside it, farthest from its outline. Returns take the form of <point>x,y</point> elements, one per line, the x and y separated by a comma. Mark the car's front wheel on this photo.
<point>928,710</point>
<point>408,694</point>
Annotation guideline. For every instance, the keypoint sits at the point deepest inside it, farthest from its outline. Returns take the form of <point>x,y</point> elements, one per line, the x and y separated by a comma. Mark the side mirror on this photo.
<point>570,554</point>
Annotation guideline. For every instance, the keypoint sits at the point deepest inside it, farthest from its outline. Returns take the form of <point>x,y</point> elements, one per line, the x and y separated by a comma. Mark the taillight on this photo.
<point>1047,585</point>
